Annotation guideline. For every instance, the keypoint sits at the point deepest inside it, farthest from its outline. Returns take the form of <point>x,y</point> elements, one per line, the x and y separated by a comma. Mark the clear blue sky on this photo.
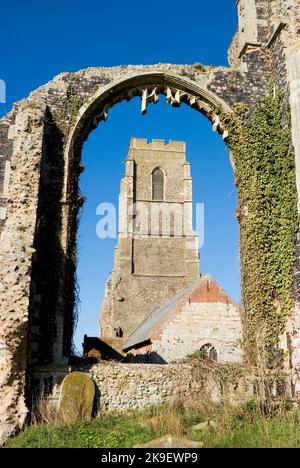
<point>41,39</point>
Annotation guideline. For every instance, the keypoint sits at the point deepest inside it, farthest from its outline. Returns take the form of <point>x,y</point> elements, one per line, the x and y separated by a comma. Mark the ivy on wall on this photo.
<point>267,212</point>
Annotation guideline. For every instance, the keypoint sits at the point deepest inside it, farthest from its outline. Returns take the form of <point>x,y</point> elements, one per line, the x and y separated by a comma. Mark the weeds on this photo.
<point>244,426</point>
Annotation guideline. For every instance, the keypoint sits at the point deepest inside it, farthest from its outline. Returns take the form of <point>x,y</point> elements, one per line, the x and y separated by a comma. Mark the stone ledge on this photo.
<point>280,26</point>
<point>246,46</point>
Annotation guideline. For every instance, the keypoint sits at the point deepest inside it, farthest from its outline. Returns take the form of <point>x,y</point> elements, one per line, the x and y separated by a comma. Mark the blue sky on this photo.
<point>41,39</point>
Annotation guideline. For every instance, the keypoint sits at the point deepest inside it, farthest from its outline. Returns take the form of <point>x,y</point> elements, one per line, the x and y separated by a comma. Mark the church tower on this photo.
<point>157,250</point>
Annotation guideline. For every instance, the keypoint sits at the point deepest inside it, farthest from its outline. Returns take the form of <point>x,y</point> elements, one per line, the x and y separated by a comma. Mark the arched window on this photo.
<point>157,184</point>
<point>209,351</point>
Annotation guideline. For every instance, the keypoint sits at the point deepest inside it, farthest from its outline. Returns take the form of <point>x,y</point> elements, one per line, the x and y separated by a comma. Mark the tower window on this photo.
<point>157,184</point>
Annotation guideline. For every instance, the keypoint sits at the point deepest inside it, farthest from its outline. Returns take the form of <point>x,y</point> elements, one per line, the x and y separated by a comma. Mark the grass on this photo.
<point>241,427</point>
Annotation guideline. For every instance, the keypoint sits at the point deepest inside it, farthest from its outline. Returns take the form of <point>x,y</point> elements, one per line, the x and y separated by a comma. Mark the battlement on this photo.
<point>142,143</point>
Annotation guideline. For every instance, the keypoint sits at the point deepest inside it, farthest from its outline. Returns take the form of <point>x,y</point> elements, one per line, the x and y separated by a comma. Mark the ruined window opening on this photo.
<point>157,184</point>
<point>209,351</point>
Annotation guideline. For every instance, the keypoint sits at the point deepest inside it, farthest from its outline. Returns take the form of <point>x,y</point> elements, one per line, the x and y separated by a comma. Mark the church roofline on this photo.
<point>143,332</point>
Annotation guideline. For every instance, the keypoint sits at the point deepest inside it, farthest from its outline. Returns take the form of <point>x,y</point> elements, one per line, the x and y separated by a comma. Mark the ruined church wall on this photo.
<point>284,50</point>
<point>6,150</point>
<point>16,253</point>
<point>123,387</point>
<point>64,96</point>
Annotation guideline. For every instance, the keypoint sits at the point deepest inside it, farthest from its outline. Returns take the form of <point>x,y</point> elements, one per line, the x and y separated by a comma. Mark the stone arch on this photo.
<point>42,126</point>
<point>148,86</point>
<point>58,136</point>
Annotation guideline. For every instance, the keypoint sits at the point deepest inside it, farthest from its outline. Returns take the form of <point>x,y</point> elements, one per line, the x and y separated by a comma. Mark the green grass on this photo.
<point>236,428</point>
<point>276,433</point>
<point>105,432</point>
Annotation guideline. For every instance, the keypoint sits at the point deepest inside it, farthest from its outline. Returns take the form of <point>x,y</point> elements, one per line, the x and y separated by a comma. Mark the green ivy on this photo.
<point>267,212</point>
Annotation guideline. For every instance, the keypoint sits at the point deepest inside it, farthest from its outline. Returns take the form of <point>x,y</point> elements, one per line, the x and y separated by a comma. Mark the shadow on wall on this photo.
<point>51,313</point>
<point>96,350</point>
<point>151,357</point>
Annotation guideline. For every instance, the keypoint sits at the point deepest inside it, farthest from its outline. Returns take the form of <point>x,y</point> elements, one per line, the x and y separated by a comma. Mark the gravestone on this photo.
<point>204,425</point>
<point>169,441</point>
<point>76,397</point>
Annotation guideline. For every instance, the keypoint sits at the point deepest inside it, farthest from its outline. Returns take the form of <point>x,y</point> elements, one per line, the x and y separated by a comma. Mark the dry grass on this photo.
<point>46,411</point>
<point>248,425</point>
<point>166,419</point>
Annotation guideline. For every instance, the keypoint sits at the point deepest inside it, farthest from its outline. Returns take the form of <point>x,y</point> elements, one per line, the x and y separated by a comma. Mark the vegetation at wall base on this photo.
<point>240,427</point>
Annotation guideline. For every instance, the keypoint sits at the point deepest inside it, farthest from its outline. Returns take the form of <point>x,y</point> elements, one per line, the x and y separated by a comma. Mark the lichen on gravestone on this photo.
<point>77,397</point>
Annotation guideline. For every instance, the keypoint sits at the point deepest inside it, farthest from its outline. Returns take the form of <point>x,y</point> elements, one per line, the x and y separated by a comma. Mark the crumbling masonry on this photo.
<point>40,148</point>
